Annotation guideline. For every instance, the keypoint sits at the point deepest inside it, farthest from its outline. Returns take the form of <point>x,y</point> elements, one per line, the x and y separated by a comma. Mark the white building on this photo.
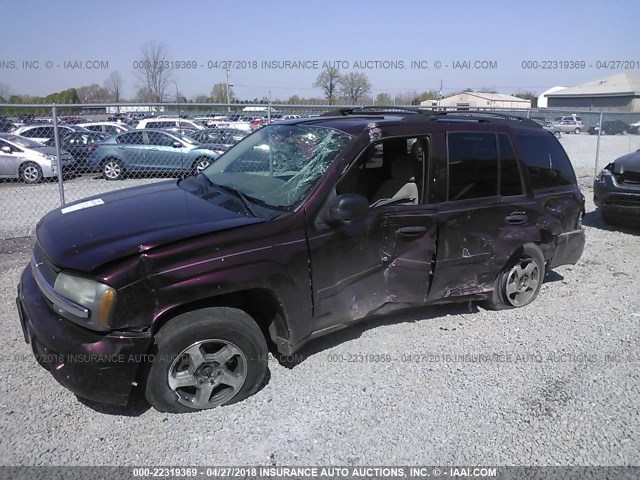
<point>543,100</point>
<point>479,100</point>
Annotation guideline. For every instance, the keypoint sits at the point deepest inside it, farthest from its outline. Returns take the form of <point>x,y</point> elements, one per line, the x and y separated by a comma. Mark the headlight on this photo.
<point>605,172</point>
<point>51,158</point>
<point>99,298</point>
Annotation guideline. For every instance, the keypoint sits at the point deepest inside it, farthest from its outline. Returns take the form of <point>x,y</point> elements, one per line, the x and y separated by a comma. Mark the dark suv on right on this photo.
<point>302,228</point>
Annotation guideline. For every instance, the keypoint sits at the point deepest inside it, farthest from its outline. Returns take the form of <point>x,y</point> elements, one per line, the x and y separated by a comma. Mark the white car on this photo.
<point>110,128</point>
<point>168,123</point>
<point>29,160</point>
<point>43,133</point>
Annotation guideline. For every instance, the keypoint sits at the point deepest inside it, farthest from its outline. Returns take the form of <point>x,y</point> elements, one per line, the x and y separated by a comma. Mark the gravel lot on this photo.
<point>554,383</point>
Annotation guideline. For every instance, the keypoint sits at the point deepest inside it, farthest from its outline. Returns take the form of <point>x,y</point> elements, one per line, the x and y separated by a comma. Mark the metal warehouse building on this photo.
<point>479,99</point>
<point>618,93</point>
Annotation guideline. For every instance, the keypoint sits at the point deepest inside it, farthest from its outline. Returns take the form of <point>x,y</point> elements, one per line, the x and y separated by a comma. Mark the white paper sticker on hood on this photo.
<point>80,206</point>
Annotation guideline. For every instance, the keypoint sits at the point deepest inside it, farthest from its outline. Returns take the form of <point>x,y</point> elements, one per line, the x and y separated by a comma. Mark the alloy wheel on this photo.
<point>208,373</point>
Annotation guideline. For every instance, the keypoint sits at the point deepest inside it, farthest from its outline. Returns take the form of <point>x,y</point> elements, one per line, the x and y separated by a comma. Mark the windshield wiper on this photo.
<point>243,198</point>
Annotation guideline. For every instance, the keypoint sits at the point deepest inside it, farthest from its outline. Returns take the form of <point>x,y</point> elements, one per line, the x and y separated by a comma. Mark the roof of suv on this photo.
<point>356,120</point>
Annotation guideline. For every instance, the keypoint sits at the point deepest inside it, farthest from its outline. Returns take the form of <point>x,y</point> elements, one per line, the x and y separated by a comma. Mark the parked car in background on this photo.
<point>182,131</point>
<point>30,161</point>
<point>202,274</point>
<point>80,145</point>
<point>43,133</point>
<point>610,127</point>
<point>71,120</point>
<point>110,128</point>
<point>634,127</point>
<point>226,136</point>
<point>569,126</point>
<point>6,126</point>
<point>149,151</point>
<point>616,190</point>
<point>175,122</point>
<point>211,120</point>
<point>548,126</point>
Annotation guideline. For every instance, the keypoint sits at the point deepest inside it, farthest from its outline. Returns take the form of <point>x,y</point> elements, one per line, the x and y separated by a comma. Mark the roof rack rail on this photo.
<point>429,114</point>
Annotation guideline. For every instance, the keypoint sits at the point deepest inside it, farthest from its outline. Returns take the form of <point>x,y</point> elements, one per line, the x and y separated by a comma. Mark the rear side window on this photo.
<point>510,180</point>
<point>473,165</point>
<point>546,161</point>
<point>131,138</point>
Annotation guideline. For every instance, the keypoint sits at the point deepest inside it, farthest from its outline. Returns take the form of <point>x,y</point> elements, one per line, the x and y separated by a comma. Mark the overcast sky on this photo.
<point>395,31</point>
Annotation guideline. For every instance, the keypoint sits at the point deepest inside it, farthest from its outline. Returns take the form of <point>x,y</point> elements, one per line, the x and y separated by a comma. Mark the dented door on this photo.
<point>385,258</point>
<point>475,242</point>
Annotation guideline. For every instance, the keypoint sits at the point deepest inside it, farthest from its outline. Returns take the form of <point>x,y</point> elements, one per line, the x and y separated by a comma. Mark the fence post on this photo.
<point>595,172</point>
<point>54,113</point>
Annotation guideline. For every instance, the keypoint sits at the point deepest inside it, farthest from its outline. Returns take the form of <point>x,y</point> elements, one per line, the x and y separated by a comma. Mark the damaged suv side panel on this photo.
<point>302,228</point>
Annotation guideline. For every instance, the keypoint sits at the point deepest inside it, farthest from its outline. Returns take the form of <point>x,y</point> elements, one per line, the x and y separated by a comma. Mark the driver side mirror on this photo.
<point>6,149</point>
<point>349,207</point>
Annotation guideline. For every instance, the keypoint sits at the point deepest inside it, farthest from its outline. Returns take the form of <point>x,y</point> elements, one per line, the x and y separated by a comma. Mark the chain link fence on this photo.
<point>55,154</point>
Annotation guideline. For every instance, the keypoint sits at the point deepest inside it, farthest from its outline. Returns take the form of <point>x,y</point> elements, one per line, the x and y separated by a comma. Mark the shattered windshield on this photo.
<point>279,164</point>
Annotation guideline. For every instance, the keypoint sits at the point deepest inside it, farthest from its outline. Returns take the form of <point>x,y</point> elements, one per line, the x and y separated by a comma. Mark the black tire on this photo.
<point>112,169</point>
<point>202,330</point>
<point>200,164</point>
<point>501,298</point>
<point>576,131</point>
<point>31,173</point>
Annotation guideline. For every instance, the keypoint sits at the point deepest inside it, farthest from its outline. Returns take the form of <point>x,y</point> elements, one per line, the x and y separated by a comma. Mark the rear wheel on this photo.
<point>31,173</point>
<point>520,282</point>
<point>112,169</point>
<point>576,131</point>
<point>204,359</point>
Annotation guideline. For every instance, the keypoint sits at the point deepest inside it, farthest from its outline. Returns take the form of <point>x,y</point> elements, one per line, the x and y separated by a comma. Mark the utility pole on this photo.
<point>228,101</point>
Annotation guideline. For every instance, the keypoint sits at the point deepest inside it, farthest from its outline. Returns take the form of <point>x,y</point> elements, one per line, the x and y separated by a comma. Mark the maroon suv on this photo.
<point>300,229</point>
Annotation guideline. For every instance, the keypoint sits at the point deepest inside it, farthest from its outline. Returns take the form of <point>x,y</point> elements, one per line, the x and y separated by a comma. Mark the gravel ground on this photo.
<point>553,383</point>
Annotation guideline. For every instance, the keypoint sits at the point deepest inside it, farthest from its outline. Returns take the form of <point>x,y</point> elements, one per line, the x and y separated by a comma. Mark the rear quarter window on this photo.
<point>546,161</point>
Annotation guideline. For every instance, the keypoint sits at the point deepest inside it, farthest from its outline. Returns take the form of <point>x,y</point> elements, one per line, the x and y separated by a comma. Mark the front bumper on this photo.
<point>617,198</point>
<point>99,367</point>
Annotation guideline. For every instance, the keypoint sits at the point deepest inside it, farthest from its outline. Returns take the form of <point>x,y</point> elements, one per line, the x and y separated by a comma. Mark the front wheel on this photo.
<point>200,164</point>
<point>576,131</point>
<point>519,283</point>
<point>204,359</point>
<point>112,169</point>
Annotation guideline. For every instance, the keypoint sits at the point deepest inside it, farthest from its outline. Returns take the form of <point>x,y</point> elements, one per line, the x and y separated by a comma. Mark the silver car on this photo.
<point>28,160</point>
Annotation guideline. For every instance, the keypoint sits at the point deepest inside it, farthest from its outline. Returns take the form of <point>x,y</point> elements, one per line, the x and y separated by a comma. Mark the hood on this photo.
<point>627,163</point>
<point>45,150</point>
<point>94,231</point>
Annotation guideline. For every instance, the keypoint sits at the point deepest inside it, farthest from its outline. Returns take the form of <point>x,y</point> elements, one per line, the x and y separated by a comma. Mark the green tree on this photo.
<point>219,93</point>
<point>383,99</point>
<point>529,96</point>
